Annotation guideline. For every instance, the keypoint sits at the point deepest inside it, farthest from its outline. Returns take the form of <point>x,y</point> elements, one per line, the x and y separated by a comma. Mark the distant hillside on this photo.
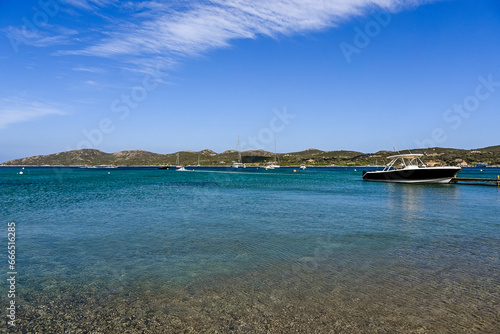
<point>92,157</point>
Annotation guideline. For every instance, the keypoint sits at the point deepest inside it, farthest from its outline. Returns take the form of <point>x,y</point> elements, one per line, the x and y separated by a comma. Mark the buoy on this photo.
<point>295,171</point>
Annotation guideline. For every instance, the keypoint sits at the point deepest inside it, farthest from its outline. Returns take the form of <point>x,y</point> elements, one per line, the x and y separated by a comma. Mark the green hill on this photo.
<point>314,157</point>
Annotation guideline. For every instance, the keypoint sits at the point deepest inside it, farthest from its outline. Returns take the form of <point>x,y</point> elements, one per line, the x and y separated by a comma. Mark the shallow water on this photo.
<point>213,250</point>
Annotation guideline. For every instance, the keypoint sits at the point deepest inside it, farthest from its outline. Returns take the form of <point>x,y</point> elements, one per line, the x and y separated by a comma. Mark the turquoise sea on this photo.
<point>127,250</point>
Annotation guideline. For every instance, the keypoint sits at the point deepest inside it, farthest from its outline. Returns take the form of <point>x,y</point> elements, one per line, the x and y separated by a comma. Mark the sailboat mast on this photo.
<point>239,150</point>
<point>275,154</point>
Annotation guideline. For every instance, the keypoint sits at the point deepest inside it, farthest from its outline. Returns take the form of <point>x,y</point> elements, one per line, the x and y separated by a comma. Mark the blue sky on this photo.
<point>165,76</point>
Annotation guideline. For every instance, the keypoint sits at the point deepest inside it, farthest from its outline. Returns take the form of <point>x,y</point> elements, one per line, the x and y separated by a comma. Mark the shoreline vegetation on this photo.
<point>435,156</point>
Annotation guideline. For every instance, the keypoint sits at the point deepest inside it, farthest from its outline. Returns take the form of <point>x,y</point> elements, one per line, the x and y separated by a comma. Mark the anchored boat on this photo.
<point>408,168</point>
<point>276,163</point>
<point>239,163</point>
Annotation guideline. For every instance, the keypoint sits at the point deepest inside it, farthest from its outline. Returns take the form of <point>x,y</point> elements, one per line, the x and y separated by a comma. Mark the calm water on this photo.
<point>115,250</point>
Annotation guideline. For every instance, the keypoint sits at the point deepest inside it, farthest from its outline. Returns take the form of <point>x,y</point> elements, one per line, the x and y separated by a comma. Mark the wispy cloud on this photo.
<point>88,4</point>
<point>19,110</point>
<point>88,69</point>
<point>39,38</point>
<point>167,32</point>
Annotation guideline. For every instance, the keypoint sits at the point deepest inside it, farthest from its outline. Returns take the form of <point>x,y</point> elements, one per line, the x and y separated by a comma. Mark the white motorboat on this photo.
<point>409,168</point>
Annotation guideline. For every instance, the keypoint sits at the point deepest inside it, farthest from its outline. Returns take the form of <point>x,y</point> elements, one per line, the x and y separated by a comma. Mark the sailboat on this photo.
<point>239,164</point>
<point>276,163</point>
<point>179,167</point>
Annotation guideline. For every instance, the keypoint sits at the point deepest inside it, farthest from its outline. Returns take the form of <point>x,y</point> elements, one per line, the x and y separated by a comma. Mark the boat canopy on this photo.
<point>409,160</point>
<point>407,156</point>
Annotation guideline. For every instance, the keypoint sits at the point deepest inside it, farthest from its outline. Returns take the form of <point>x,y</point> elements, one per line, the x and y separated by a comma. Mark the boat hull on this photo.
<point>413,175</point>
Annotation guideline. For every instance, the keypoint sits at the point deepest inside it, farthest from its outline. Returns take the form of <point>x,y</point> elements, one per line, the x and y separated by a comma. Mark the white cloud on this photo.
<point>88,69</point>
<point>17,110</point>
<point>88,4</point>
<point>172,31</point>
<point>39,38</point>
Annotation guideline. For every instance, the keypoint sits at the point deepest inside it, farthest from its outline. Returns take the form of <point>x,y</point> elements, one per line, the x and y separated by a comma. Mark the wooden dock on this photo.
<point>477,180</point>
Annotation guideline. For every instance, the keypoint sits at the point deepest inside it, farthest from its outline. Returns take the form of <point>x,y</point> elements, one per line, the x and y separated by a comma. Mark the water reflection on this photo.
<point>405,200</point>
<point>413,206</point>
<point>415,198</point>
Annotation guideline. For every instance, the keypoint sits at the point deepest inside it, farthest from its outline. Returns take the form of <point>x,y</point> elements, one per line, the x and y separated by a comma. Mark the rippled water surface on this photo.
<point>215,250</point>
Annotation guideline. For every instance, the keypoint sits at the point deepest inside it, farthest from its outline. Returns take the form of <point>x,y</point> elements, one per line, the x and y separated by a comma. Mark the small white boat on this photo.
<point>411,169</point>
<point>271,166</point>
<point>303,166</point>
<point>239,164</point>
<point>180,168</point>
<point>276,163</point>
